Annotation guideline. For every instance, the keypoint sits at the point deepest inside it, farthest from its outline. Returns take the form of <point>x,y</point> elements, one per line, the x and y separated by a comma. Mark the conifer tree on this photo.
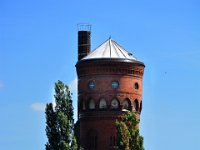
<point>128,136</point>
<point>59,120</point>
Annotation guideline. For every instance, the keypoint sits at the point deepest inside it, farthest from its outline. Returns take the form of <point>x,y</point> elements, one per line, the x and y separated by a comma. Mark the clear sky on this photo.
<point>38,46</point>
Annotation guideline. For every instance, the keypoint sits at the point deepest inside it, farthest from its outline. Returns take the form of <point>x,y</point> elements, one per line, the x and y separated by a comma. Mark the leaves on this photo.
<point>123,136</point>
<point>51,128</point>
<point>128,136</point>
<point>59,121</point>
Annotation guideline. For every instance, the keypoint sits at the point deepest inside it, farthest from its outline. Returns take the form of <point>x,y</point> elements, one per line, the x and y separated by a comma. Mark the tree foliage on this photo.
<point>59,120</point>
<point>128,136</point>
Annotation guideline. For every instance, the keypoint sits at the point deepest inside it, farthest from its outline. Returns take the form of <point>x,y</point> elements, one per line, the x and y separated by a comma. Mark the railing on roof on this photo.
<point>84,27</point>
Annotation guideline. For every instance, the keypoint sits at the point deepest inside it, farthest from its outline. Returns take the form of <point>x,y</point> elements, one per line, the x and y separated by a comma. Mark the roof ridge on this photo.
<point>110,49</point>
<point>119,48</point>
<point>110,41</point>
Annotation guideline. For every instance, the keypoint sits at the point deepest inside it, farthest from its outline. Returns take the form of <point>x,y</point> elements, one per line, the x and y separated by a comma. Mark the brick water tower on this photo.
<point>109,82</point>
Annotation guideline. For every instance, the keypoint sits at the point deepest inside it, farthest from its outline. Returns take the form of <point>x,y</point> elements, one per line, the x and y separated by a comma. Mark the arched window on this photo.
<point>92,139</point>
<point>135,105</point>
<point>112,142</point>
<point>102,103</point>
<point>91,104</point>
<point>114,104</point>
<point>140,106</point>
<point>126,104</point>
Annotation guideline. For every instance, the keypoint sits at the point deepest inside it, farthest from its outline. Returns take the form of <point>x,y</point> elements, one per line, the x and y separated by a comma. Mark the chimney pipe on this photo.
<point>84,32</point>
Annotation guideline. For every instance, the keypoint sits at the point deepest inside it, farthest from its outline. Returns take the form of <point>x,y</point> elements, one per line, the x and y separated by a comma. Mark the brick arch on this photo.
<point>82,104</point>
<point>140,106</point>
<point>91,105</point>
<point>126,104</point>
<point>135,105</point>
<point>102,103</point>
<point>115,104</point>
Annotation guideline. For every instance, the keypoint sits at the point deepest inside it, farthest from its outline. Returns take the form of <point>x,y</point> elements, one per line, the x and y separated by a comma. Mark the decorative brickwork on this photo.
<point>100,103</point>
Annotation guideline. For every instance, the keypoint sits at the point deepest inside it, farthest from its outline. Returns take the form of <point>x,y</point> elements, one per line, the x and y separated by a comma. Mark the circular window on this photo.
<point>115,84</point>
<point>136,85</point>
<point>91,85</point>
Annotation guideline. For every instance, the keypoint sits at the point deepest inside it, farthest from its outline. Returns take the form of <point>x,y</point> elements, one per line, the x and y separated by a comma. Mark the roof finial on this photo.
<point>109,37</point>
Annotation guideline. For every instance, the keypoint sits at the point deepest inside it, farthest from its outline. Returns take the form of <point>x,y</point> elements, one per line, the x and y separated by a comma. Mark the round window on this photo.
<point>115,84</point>
<point>136,85</point>
<point>91,85</point>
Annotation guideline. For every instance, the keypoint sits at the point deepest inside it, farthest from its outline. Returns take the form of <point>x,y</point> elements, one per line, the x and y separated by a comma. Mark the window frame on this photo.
<point>136,85</point>
<point>90,103</point>
<point>91,85</point>
<point>115,84</point>
<point>118,104</point>
<point>102,101</point>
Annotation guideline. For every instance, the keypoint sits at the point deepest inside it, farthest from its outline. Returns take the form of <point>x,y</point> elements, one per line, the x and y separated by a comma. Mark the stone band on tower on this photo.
<point>109,81</point>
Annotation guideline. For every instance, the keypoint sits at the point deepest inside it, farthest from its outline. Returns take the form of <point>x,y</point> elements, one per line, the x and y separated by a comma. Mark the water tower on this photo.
<point>109,81</point>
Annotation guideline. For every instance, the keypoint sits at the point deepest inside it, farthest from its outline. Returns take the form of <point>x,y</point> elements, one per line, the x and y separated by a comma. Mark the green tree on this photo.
<point>123,136</point>
<point>59,120</point>
<point>51,128</point>
<point>128,136</point>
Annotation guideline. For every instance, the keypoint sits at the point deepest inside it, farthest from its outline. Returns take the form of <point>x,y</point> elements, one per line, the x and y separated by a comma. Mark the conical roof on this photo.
<point>110,50</point>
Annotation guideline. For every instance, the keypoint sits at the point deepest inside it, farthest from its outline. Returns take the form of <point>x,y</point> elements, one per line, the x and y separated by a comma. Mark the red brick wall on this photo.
<point>102,122</point>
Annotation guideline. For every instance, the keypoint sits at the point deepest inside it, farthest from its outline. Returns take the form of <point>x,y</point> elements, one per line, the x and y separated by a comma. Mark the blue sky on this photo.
<point>38,46</point>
